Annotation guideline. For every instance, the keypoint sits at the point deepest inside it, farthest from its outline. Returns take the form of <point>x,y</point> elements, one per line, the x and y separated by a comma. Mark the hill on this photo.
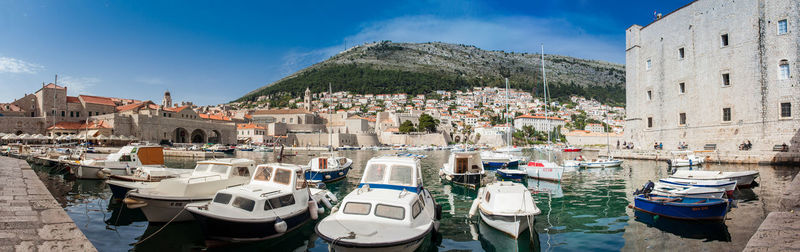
<point>419,68</point>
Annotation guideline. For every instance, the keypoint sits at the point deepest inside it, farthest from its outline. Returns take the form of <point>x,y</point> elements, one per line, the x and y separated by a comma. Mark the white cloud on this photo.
<point>151,80</point>
<point>12,65</point>
<point>78,85</point>
<point>518,34</point>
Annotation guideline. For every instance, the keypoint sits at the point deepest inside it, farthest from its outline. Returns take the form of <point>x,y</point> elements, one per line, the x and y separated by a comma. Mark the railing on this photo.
<point>205,178</point>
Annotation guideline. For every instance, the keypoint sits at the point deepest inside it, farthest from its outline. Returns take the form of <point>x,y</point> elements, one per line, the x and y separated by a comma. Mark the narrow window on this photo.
<point>680,53</point>
<point>724,40</point>
<point>786,109</point>
<point>682,87</point>
<point>783,70</point>
<point>783,27</point>
<point>649,95</point>
<point>63,113</point>
<point>683,119</point>
<point>649,122</point>
<point>726,114</point>
<point>726,79</point>
<point>77,114</point>
<point>649,64</point>
<point>72,114</point>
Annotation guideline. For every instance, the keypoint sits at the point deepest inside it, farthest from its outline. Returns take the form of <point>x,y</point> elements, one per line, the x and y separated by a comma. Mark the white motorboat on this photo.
<point>727,185</point>
<point>600,163</point>
<point>688,191</point>
<point>328,169</point>
<point>276,201</point>
<point>143,177</point>
<point>121,163</point>
<point>389,211</point>
<point>571,163</point>
<point>506,206</point>
<point>166,200</point>
<point>509,149</point>
<point>463,168</point>
<point>742,178</point>
<point>543,169</point>
<point>685,159</point>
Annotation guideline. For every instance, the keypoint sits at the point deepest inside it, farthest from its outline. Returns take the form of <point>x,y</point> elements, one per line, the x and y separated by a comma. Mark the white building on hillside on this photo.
<point>539,123</point>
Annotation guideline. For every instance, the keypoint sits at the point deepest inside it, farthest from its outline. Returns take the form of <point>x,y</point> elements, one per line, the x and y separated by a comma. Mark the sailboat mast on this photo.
<point>544,84</point>
<point>330,117</point>
<point>508,134</point>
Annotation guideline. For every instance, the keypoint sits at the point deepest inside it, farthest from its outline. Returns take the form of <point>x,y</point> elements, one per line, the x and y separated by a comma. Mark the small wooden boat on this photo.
<point>463,168</point>
<point>688,191</point>
<point>506,206</point>
<point>496,160</point>
<point>327,169</point>
<point>742,178</point>
<point>683,208</point>
<point>686,159</point>
<point>600,163</point>
<point>726,185</point>
<point>512,173</point>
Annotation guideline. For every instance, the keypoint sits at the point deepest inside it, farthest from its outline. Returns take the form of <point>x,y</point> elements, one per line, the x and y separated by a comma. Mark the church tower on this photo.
<point>307,100</point>
<point>167,101</point>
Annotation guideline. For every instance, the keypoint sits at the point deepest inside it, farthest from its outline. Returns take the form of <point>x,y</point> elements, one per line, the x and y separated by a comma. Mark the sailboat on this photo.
<point>328,167</point>
<point>544,169</point>
<point>502,157</point>
<point>603,162</point>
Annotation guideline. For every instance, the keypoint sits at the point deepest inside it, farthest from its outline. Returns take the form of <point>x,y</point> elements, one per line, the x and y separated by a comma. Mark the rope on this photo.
<point>162,228</point>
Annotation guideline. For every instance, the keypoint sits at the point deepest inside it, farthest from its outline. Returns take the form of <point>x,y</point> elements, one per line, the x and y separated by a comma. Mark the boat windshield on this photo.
<point>263,173</point>
<point>216,168</point>
<point>397,174</point>
<point>283,176</point>
<point>401,175</point>
<point>375,173</point>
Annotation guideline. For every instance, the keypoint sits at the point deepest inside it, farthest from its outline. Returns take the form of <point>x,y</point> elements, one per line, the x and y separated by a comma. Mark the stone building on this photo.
<point>715,72</point>
<point>539,123</point>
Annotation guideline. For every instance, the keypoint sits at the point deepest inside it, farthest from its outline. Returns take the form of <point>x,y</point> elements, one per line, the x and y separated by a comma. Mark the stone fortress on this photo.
<point>716,72</point>
<point>50,111</point>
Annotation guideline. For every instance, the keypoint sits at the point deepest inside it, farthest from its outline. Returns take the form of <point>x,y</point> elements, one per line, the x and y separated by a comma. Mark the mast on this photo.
<point>330,117</point>
<point>508,134</point>
<point>544,84</point>
<point>608,143</point>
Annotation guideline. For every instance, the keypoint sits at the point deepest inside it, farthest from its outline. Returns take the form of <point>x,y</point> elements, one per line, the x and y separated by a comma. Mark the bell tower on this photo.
<point>307,100</point>
<point>167,101</point>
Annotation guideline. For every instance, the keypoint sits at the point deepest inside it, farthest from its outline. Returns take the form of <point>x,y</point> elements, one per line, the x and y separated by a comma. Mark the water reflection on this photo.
<point>587,210</point>
<point>705,230</point>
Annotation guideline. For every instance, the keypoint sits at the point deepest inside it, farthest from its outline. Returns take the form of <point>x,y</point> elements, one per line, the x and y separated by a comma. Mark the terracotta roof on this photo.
<point>80,125</point>
<point>73,99</point>
<point>51,85</point>
<point>539,117</point>
<point>281,111</point>
<point>11,107</point>
<point>219,117</point>
<point>134,106</point>
<point>178,109</point>
<point>97,100</point>
<point>249,126</point>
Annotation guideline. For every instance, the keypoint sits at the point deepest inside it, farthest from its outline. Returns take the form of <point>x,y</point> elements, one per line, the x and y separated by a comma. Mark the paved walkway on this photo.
<point>30,218</point>
<point>780,231</point>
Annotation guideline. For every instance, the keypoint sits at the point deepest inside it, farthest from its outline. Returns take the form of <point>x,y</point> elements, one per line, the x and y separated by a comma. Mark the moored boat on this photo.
<point>495,160</point>
<point>688,191</point>
<point>685,159</point>
<point>742,178</point>
<point>543,169</point>
<point>327,169</point>
<point>600,163</point>
<point>123,162</point>
<point>506,206</point>
<point>463,168</point>
<point>726,185</point>
<point>683,208</point>
<point>389,211</point>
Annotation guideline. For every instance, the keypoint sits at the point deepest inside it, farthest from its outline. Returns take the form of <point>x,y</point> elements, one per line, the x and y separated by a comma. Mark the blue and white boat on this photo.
<point>728,186</point>
<point>463,168</point>
<point>682,208</point>
<point>512,173</point>
<point>496,160</point>
<point>328,169</point>
<point>389,211</point>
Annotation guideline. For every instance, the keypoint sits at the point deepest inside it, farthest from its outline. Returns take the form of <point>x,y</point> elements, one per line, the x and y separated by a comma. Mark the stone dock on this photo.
<point>30,218</point>
<point>728,157</point>
<point>780,231</point>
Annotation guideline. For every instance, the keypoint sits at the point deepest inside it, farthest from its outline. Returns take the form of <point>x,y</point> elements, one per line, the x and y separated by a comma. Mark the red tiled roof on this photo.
<point>249,126</point>
<point>11,107</point>
<point>135,106</point>
<point>73,99</point>
<point>51,85</point>
<point>539,117</point>
<point>97,100</point>
<point>281,111</point>
<point>219,117</point>
<point>178,109</point>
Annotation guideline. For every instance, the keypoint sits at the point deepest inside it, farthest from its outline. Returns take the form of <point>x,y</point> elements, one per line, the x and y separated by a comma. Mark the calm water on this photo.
<point>586,211</point>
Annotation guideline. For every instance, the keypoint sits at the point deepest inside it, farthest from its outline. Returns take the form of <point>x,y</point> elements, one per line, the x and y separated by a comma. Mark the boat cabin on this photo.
<point>322,163</point>
<point>393,172</point>
<point>138,156</point>
<point>466,162</point>
<point>222,168</point>
<point>273,186</point>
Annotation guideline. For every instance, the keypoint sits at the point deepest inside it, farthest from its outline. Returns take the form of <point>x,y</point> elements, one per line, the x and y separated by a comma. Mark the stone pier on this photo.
<point>780,231</point>
<point>30,218</point>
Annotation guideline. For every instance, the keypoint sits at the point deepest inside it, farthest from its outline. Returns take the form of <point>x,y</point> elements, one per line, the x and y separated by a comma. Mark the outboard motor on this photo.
<point>646,189</point>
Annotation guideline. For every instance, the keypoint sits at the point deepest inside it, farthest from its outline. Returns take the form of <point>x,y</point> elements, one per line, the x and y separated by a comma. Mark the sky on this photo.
<point>211,52</point>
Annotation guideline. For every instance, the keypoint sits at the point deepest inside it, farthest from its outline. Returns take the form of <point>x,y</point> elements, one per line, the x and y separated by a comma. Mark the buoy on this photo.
<point>327,176</point>
<point>133,204</point>
<point>341,173</point>
<point>326,202</point>
<point>474,209</point>
<point>280,225</point>
<point>312,209</point>
<point>320,210</point>
<point>331,197</point>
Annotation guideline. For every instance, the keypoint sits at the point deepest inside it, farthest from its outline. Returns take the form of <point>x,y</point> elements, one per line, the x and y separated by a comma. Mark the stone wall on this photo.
<point>438,139</point>
<point>26,125</point>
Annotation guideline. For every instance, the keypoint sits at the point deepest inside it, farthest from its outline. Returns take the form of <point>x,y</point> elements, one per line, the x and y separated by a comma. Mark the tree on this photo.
<point>406,127</point>
<point>427,123</point>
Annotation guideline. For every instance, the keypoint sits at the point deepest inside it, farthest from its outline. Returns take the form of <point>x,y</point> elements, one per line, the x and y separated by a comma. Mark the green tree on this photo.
<point>407,127</point>
<point>427,123</point>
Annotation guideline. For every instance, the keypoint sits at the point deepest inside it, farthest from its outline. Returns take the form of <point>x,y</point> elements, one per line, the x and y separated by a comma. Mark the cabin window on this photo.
<point>416,209</point>
<point>462,164</point>
<point>241,171</point>
<point>391,212</point>
<point>244,204</point>
<point>401,175</point>
<point>283,176</point>
<point>357,208</point>
<point>301,179</point>
<point>375,173</point>
<point>278,202</point>
<point>263,174</point>
<point>125,158</point>
<point>222,198</point>
<point>223,169</point>
<point>202,167</point>
<point>488,196</point>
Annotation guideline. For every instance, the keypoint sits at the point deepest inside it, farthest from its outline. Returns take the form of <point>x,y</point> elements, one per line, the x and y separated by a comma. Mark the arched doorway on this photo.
<point>215,137</point>
<point>458,139</point>
<point>198,136</point>
<point>181,135</point>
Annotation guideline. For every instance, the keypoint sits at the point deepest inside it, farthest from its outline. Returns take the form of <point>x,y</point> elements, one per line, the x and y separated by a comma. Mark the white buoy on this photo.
<point>474,209</point>
<point>312,209</point>
<point>320,210</point>
<point>280,225</point>
<point>341,173</point>
<point>326,202</point>
<point>327,176</point>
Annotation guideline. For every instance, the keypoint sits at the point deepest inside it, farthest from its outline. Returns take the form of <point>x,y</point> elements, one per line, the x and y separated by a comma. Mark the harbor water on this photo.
<point>588,210</point>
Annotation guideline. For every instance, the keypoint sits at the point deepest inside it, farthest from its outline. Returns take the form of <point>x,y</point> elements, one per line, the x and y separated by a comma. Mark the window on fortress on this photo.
<point>72,114</point>
<point>726,79</point>
<point>77,114</point>
<point>783,27</point>
<point>682,87</point>
<point>649,122</point>
<point>680,53</point>
<point>783,70</point>
<point>786,109</point>
<point>682,118</point>
<point>649,95</point>
<point>649,64</point>
<point>726,114</point>
<point>63,113</point>
<point>724,40</point>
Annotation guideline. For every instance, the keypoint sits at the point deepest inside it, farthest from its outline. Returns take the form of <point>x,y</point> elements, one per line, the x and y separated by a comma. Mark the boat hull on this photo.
<point>601,164</point>
<point>494,165</point>
<point>511,225</point>
<point>327,176</point>
<point>545,173</point>
<point>95,172</point>
<point>165,210</point>
<point>464,179</point>
<point>686,209</point>
<point>342,245</point>
<point>228,230</point>
<point>511,174</point>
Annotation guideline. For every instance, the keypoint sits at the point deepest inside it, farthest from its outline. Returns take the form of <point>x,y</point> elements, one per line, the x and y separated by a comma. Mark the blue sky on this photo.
<point>211,52</point>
